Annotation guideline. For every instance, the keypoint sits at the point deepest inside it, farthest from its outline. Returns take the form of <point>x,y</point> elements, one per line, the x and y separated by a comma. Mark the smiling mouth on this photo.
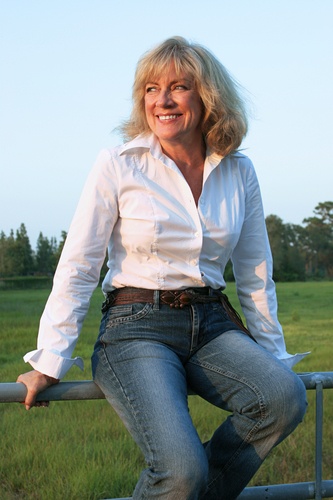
<point>167,117</point>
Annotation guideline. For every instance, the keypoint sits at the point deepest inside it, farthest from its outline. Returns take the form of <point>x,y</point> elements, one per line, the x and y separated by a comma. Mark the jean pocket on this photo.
<point>126,313</point>
<point>120,321</point>
<point>117,312</point>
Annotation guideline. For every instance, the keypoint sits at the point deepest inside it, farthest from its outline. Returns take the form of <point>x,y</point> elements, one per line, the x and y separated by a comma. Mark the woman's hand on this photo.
<point>35,383</point>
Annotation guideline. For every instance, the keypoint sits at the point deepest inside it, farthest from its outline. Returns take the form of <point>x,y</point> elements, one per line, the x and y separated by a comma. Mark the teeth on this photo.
<point>168,117</point>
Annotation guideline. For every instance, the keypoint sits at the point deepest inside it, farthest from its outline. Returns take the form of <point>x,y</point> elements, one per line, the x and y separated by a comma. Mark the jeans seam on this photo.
<point>254,429</point>
<point>230,375</point>
<point>134,411</point>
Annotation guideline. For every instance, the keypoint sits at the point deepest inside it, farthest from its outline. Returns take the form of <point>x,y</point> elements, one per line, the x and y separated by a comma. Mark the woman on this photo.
<point>173,205</point>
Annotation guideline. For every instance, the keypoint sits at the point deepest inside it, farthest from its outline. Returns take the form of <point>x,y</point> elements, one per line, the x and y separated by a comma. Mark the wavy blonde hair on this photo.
<point>224,122</point>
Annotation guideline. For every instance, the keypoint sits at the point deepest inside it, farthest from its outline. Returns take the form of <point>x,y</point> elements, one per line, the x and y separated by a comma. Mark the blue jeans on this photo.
<point>145,359</point>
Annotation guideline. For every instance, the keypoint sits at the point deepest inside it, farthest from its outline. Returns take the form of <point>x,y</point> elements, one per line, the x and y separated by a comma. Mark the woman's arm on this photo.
<point>253,270</point>
<point>77,274</point>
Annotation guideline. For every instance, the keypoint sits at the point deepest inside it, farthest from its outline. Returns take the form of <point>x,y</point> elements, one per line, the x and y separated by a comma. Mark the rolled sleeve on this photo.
<point>51,364</point>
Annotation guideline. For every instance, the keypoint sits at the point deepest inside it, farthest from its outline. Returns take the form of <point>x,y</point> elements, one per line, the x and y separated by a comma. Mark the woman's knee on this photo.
<point>297,400</point>
<point>179,474</point>
<point>280,407</point>
<point>189,467</point>
<point>287,402</point>
<point>190,480</point>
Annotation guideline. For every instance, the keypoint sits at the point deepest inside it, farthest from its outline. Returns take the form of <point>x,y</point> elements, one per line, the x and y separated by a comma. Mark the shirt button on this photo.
<point>194,262</point>
<point>196,234</point>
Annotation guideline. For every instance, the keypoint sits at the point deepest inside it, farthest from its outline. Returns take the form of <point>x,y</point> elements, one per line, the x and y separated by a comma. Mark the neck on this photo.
<point>186,156</point>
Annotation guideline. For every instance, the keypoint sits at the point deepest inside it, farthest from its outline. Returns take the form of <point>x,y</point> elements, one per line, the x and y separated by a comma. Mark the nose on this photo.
<point>164,99</point>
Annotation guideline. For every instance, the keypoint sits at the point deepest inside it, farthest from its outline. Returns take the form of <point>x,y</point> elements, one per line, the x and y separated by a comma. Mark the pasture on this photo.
<point>81,450</point>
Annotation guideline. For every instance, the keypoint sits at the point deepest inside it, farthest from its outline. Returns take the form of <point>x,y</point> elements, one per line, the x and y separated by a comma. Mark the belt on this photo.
<point>173,298</point>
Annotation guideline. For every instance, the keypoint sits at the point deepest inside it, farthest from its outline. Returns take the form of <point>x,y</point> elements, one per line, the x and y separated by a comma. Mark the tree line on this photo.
<point>18,259</point>
<point>300,252</point>
<point>305,251</point>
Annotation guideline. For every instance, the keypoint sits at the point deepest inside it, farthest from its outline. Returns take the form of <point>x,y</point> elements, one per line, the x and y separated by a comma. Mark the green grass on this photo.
<point>80,450</point>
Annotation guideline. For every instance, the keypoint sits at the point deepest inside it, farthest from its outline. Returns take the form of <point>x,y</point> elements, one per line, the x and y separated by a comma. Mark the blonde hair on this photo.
<point>224,122</point>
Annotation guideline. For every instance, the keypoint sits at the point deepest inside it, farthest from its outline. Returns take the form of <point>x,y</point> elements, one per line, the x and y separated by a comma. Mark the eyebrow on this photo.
<point>178,80</point>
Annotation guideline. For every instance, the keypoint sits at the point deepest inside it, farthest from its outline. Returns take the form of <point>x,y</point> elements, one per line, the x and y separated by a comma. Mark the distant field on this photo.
<point>80,450</point>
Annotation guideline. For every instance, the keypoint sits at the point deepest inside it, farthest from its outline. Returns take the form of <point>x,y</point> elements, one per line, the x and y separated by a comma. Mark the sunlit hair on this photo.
<point>224,122</point>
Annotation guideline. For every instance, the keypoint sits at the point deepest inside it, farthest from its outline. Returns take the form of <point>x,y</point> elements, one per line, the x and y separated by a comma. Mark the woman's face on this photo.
<point>174,109</point>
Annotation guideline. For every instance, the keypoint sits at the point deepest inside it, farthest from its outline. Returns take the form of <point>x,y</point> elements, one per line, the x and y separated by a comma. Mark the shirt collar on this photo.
<point>142,141</point>
<point>148,141</point>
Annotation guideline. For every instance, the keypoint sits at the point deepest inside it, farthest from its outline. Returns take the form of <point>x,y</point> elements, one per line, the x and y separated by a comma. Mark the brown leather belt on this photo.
<point>173,298</point>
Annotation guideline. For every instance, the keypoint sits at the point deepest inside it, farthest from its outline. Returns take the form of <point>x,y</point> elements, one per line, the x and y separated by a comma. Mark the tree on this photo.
<point>15,253</point>
<point>319,238</point>
<point>285,244</point>
<point>23,252</point>
<point>325,212</point>
<point>45,255</point>
<point>3,254</point>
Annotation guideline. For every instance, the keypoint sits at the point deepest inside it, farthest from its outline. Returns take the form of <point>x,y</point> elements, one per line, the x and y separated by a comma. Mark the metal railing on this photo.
<point>318,381</point>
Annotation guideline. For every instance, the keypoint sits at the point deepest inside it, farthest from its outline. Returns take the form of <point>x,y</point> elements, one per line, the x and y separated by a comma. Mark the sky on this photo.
<point>66,74</point>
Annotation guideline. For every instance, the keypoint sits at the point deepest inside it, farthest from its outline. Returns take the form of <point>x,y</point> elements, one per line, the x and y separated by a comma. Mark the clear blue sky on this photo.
<point>66,75</point>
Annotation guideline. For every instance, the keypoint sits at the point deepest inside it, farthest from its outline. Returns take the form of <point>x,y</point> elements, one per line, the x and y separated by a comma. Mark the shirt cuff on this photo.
<point>291,359</point>
<point>51,364</point>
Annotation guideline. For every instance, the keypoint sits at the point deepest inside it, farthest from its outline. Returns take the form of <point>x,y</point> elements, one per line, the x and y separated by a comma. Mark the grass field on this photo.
<point>80,450</point>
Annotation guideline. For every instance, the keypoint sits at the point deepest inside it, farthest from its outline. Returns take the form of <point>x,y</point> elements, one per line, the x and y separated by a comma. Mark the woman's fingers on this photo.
<point>35,383</point>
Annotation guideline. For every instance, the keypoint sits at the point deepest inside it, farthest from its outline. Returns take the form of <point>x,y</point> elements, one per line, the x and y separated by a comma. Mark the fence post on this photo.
<point>319,441</point>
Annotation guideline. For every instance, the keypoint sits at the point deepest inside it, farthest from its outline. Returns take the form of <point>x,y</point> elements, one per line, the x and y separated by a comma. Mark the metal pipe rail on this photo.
<point>318,381</point>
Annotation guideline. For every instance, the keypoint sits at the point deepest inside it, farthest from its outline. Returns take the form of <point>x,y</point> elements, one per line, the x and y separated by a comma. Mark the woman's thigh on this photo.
<point>234,373</point>
<point>145,381</point>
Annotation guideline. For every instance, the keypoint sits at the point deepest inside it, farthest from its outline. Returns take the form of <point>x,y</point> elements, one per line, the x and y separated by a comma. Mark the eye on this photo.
<point>180,87</point>
<point>150,89</point>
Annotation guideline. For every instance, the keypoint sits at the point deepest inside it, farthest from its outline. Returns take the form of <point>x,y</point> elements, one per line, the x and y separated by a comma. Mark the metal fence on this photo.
<point>318,381</point>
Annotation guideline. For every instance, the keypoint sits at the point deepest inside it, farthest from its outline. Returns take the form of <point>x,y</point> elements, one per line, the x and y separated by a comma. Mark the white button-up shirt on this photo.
<point>137,203</point>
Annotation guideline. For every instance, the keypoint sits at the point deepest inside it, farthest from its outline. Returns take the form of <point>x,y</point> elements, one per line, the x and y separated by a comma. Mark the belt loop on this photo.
<point>156,306</point>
